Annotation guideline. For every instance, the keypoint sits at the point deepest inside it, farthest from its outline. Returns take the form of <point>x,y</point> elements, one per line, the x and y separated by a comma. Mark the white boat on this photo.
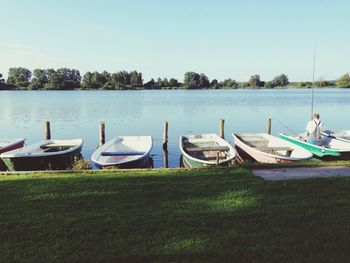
<point>339,135</point>
<point>266,148</point>
<point>124,152</point>
<point>45,155</point>
<point>205,150</point>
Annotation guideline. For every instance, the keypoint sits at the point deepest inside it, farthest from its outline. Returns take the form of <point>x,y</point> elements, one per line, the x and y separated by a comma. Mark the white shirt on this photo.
<point>314,129</point>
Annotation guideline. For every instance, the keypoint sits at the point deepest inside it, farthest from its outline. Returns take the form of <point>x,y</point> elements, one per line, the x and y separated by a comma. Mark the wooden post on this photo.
<point>269,126</point>
<point>165,159</point>
<point>47,131</point>
<point>222,128</point>
<point>102,133</point>
<point>165,135</point>
<point>218,158</point>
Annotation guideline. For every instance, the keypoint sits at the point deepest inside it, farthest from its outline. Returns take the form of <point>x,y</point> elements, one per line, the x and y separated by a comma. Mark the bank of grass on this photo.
<point>220,214</point>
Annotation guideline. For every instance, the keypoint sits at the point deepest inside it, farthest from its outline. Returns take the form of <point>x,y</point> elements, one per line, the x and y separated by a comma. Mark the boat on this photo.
<point>339,135</point>
<point>9,145</point>
<point>201,150</point>
<point>45,155</point>
<point>327,148</point>
<point>266,148</point>
<point>124,152</point>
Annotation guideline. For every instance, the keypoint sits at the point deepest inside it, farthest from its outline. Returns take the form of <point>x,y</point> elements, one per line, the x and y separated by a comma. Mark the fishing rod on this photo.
<point>285,126</point>
<point>313,83</point>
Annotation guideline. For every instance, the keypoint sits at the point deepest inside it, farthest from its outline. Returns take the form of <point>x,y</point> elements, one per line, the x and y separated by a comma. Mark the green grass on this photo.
<point>220,214</point>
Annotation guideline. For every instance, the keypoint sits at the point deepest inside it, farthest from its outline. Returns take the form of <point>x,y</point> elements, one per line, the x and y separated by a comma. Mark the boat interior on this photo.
<point>205,150</point>
<point>264,144</point>
<point>54,147</point>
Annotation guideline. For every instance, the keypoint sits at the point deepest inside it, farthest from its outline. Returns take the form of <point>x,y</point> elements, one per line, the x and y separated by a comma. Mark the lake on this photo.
<point>76,114</point>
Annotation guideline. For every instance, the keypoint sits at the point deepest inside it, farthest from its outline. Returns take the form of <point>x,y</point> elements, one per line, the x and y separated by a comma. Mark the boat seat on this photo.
<point>202,149</point>
<point>122,153</point>
<point>276,149</point>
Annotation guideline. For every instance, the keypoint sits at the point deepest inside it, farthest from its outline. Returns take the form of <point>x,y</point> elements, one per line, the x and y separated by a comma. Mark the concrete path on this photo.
<point>301,173</point>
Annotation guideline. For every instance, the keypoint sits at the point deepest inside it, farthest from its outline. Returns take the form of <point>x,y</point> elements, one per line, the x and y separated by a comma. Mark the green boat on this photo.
<point>45,155</point>
<point>327,148</point>
<point>202,150</point>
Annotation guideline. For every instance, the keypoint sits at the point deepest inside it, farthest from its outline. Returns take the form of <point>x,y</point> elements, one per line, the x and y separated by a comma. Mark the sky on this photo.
<point>161,38</point>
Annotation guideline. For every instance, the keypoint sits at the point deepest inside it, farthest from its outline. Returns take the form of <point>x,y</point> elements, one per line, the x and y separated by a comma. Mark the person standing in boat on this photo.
<point>314,128</point>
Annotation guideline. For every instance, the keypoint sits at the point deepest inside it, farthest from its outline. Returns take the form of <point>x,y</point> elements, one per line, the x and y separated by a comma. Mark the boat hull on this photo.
<point>249,155</point>
<point>145,162</point>
<point>190,163</point>
<point>319,152</point>
<point>51,162</point>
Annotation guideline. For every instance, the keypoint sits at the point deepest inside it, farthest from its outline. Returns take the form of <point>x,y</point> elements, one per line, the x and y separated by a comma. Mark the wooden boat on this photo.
<point>9,145</point>
<point>202,150</point>
<point>339,135</point>
<point>266,148</point>
<point>327,148</point>
<point>124,152</point>
<point>45,155</point>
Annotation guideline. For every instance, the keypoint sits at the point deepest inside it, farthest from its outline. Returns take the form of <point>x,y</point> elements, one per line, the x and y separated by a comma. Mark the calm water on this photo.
<point>76,114</point>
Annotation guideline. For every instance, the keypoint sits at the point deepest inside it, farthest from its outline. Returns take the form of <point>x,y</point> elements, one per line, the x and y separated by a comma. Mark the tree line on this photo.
<point>69,79</point>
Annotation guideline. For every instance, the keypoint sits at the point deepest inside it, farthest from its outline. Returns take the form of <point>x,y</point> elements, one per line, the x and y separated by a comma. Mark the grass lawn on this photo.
<point>220,214</point>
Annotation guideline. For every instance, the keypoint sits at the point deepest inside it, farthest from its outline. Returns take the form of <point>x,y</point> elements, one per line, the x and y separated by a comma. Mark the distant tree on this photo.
<point>150,84</point>
<point>87,81</point>
<point>254,81</point>
<point>62,79</point>
<point>19,77</point>
<point>269,85</point>
<point>323,83</point>
<point>215,84</point>
<point>229,83</point>
<point>3,85</point>
<point>40,78</point>
<point>244,85</point>
<point>203,81</point>
<point>105,76</point>
<point>69,78</point>
<point>193,80</point>
<point>173,83</point>
<point>303,84</point>
<point>159,83</point>
<point>135,79</point>
<point>343,81</point>
<point>280,81</point>
<point>165,82</point>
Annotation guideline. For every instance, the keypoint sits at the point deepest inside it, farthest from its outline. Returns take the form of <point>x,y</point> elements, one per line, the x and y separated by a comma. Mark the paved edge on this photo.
<point>301,172</point>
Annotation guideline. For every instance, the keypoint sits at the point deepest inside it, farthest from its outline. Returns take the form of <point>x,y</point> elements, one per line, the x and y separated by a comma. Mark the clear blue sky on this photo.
<point>167,38</point>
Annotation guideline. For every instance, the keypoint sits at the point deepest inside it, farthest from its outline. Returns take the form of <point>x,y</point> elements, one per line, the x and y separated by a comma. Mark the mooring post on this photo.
<point>102,133</point>
<point>165,159</point>
<point>222,128</point>
<point>269,126</point>
<point>47,131</point>
<point>165,135</point>
<point>218,158</point>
